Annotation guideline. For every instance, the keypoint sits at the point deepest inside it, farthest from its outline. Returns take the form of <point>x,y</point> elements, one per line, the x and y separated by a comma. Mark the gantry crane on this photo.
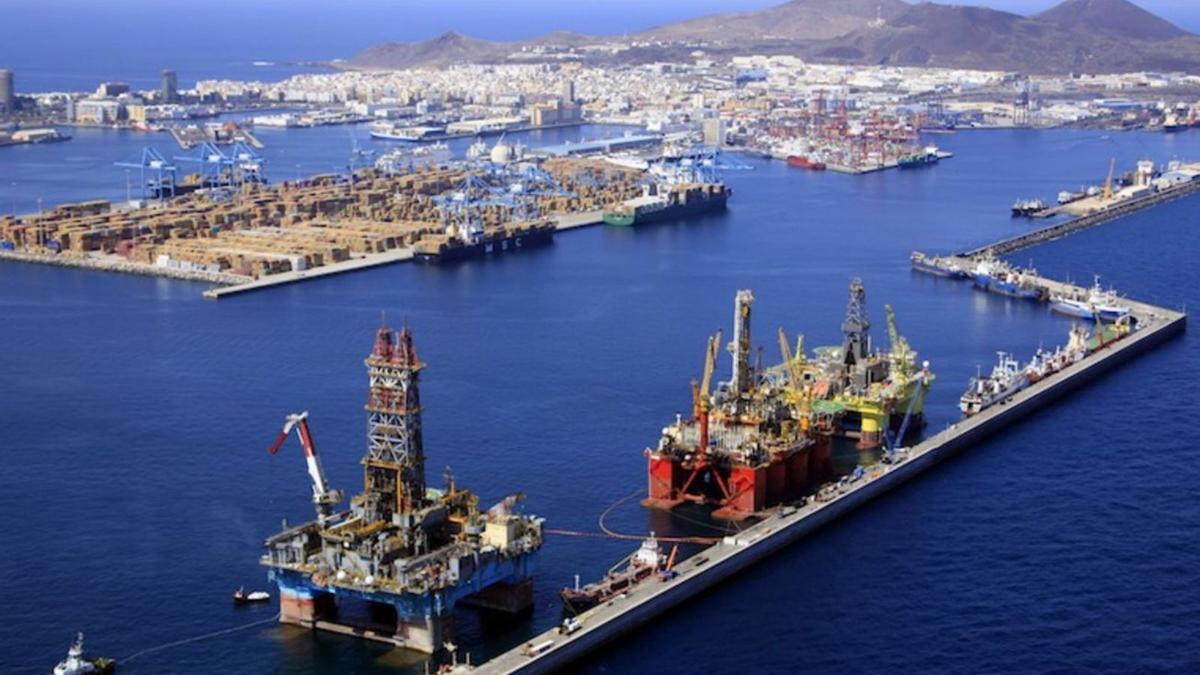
<point>324,498</point>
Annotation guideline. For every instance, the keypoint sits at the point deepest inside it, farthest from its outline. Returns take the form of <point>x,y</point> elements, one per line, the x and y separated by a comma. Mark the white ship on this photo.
<point>409,157</point>
<point>1007,378</point>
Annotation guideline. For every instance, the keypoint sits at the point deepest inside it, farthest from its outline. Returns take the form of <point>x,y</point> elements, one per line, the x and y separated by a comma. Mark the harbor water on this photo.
<point>136,416</point>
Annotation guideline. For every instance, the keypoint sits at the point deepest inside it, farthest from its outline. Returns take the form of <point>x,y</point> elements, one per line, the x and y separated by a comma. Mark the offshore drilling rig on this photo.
<point>765,436</point>
<point>394,565</point>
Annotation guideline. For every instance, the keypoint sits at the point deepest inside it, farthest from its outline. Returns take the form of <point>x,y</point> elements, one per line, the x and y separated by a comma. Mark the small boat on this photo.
<point>241,597</point>
<point>77,663</point>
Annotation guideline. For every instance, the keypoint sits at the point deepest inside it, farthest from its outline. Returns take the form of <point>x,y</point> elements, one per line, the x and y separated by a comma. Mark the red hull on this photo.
<point>805,163</point>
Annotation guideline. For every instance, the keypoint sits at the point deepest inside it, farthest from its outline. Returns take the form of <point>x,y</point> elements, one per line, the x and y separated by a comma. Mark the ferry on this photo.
<point>407,157</point>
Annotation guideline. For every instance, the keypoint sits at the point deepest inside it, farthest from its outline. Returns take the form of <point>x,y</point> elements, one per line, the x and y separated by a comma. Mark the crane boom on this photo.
<point>1108,184</point>
<point>323,497</point>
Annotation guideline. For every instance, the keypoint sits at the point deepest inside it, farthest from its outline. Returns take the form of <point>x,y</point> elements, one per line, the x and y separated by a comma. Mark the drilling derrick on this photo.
<point>395,564</point>
<point>855,327</point>
<point>394,466</point>
<point>739,348</point>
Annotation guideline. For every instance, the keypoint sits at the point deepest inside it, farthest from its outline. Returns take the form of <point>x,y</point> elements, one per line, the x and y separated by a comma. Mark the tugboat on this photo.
<point>78,664</point>
<point>1007,378</point>
<point>241,597</point>
<point>639,566</point>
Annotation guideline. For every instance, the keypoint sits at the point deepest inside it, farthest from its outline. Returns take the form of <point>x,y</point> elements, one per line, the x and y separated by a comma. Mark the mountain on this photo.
<point>444,49</point>
<point>1090,36</point>
<point>1085,36</point>
<point>1112,18</point>
<point>794,20</point>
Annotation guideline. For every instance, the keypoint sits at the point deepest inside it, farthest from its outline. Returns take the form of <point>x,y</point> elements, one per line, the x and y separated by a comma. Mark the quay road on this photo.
<point>551,650</point>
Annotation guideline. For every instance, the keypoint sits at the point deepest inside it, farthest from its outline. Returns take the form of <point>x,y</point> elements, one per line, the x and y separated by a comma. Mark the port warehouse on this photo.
<point>554,650</point>
<point>263,230</point>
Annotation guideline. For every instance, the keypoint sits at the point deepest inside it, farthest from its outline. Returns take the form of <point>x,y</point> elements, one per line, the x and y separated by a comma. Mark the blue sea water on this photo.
<point>137,491</point>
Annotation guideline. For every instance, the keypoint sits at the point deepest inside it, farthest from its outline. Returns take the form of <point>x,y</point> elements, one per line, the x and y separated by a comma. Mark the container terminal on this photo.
<point>228,226</point>
<point>653,594</point>
<point>394,565</point>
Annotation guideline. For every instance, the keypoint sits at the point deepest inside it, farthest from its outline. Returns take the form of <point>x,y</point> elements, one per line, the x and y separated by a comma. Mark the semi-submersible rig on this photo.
<point>765,436</point>
<point>395,564</point>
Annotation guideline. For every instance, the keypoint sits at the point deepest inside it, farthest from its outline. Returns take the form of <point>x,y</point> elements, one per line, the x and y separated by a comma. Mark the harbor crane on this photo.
<point>324,498</point>
<point>1108,183</point>
<point>158,175</point>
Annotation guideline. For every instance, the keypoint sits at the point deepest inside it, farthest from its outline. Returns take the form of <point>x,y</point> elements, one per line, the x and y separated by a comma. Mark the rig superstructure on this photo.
<point>395,564</point>
<point>765,436</point>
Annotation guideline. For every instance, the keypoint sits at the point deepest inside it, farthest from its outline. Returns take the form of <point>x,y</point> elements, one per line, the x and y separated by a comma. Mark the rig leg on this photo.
<point>427,634</point>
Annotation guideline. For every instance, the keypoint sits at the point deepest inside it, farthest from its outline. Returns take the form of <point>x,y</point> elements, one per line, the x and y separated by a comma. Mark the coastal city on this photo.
<point>939,259</point>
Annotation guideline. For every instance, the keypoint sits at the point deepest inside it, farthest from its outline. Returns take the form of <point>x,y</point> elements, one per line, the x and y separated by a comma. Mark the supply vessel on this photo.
<point>648,561</point>
<point>394,564</point>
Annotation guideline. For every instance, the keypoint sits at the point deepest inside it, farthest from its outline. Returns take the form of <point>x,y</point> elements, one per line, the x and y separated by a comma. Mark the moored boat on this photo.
<point>937,266</point>
<point>1096,303</point>
<point>801,162</point>
<point>648,561</point>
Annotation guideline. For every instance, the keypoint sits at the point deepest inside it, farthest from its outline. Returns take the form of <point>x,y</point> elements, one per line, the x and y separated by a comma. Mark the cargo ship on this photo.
<point>647,562</point>
<point>805,163</point>
<point>662,203</point>
<point>937,266</point>
<point>1096,303</point>
<point>454,246</point>
<point>915,160</point>
<point>997,276</point>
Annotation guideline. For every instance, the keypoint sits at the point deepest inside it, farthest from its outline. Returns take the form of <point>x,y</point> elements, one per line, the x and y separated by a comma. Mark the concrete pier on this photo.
<point>1113,212</point>
<point>552,651</point>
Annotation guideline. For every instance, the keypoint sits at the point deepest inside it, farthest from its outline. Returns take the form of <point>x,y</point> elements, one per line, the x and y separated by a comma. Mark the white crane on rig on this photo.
<point>324,497</point>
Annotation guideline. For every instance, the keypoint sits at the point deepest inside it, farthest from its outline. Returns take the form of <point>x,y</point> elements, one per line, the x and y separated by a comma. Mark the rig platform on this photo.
<point>394,566</point>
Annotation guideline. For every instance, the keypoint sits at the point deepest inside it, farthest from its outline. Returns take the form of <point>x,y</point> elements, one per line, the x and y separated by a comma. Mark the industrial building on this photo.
<point>7,95</point>
<point>169,89</point>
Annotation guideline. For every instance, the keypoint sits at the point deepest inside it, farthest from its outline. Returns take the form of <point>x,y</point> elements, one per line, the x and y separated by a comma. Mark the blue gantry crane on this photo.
<point>157,176</point>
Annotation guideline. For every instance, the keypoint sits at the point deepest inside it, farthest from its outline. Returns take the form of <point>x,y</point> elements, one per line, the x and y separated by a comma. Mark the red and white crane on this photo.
<point>323,497</point>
